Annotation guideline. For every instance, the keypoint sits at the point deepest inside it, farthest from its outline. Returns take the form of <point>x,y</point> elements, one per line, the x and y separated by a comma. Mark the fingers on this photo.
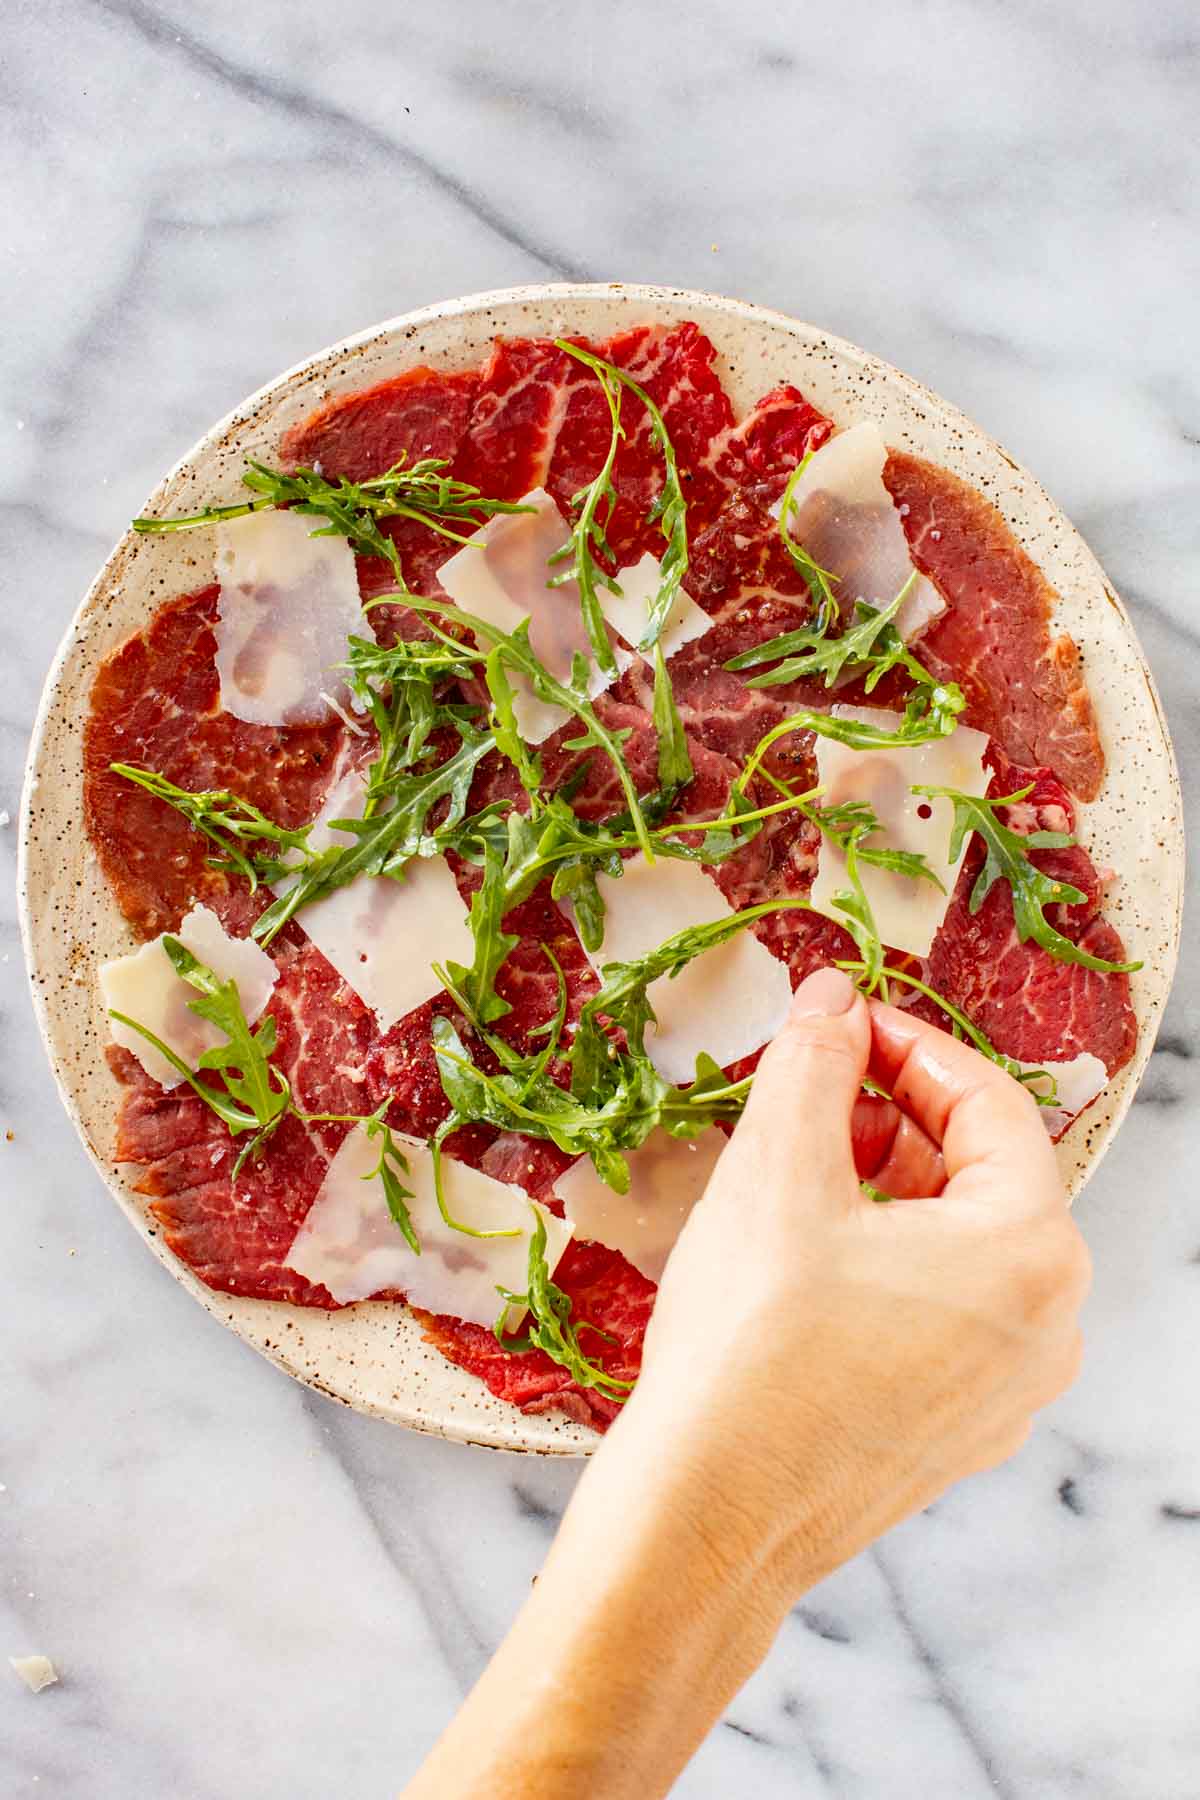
<point>798,1114</point>
<point>892,1152</point>
<point>981,1117</point>
<point>913,1165</point>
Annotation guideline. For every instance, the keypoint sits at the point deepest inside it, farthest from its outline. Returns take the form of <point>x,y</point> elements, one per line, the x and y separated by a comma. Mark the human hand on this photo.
<point>820,1365</point>
<point>817,1367</point>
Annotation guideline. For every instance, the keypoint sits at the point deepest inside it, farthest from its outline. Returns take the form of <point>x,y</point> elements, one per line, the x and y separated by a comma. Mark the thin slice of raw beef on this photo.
<point>1023,687</point>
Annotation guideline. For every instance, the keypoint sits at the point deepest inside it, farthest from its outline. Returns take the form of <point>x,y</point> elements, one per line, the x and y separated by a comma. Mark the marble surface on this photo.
<point>247,1590</point>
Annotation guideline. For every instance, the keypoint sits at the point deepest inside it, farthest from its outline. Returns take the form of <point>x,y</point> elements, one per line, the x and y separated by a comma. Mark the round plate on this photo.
<point>372,1356</point>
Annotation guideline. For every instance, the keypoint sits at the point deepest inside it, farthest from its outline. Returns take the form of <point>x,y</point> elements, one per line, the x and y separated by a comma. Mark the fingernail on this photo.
<point>823,994</point>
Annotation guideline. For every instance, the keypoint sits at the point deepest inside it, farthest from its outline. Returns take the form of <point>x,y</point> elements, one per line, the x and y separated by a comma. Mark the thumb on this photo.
<point>798,1113</point>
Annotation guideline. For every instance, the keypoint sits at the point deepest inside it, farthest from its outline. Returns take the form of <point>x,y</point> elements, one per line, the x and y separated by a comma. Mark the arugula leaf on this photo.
<point>1008,860</point>
<point>255,1097</point>
<point>931,714</point>
<point>856,819</point>
<point>674,763</point>
<point>515,652</point>
<point>383,843</point>
<point>226,820</point>
<point>489,903</point>
<point>552,1329</point>
<point>408,673</point>
<point>352,509</point>
<point>869,647</point>
<point>588,537</point>
<point>392,1165</point>
<point>820,581</point>
<point>669,509</point>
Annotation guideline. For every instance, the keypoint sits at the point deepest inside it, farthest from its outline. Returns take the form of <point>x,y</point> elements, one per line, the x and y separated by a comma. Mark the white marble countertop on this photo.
<point>247,1590</point>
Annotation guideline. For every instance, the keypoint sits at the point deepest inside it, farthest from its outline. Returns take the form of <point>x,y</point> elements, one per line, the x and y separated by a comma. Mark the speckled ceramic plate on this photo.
<point>372,1357</point>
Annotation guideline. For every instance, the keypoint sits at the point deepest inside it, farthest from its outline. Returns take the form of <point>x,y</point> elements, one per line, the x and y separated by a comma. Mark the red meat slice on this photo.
<point>156,704</point>
<point>236,1237</point>
<point>1029,1004</point>
<point>605,1290</point>
<point>1023,687</point>
<point>421,413</point>
<point>756,456</point>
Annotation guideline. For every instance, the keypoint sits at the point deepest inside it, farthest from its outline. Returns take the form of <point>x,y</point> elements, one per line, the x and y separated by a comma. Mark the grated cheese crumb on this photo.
<point>37,1672</point>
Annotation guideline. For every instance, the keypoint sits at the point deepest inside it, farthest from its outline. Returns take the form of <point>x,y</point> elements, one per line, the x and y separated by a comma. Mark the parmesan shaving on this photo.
<point>907,912</point>
<point>350,1244</point>
<point>145,987</point>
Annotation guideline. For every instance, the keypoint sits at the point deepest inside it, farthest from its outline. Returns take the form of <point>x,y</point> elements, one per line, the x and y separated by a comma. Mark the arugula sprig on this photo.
<point>848,827</point>
<point>353,509</point>
<point>1007,859</point>
<point>869,648</point>
<point>255,1096</point>
<point>551,1327</point>
<point>669,510</point>
<point>227,821</point>
<point>398,686</point>
<point>617,1097</point>
<point>385,842</point>
<point>515,653</point>
<point>588,540</point>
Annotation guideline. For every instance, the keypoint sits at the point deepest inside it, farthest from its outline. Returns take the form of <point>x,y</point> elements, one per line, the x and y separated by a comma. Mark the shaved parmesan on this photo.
<point>146,988</point>
<point>37,1672</point>
<point>667,1176</point>
<point>287,604</point>
<point>350,1244</point>
<point>845,518</point>
<point>627,611</point>
<point>728,1001</point>
<point>383,936</point>
<point>908,913</point>
<point>503,575</point>
<point>1077,1083</point>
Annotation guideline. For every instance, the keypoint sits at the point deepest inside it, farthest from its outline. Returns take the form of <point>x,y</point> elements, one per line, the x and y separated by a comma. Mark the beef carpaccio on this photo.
<point>536,418</point>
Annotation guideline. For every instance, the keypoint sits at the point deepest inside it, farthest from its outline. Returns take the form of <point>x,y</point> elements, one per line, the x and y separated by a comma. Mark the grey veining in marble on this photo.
<point>246,1590</point>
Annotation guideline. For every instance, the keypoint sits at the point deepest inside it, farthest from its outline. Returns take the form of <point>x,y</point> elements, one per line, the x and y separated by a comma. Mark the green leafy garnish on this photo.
<point>551,1327</point>
<point>227,821</point>
<point>255,1095</point>
<point>515,653</point>
<point>670,508</point>
<point>617,1096</point>
<point>588,540</point>
<point>1008,859</point>
<point>385,842</point>
<point>821,582</point>
<point>868,649</point>
<point>353,509</point>
<point>391,1167</point>
<point>398,686</point>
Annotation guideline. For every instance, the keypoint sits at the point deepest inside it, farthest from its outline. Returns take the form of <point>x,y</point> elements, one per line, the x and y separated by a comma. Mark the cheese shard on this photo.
<point>728,1001</point>
<point>1077,1083</point>
<point>845,518</point>
<point>145,987</point>
<point>907,913</point>
<point>667,1176</point>
<point>503,576</point>
<point>350,1243</point>
<point>384,935</point>
<point>37,1672</point>
<point>627,611</point>
<point>288,602</point>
